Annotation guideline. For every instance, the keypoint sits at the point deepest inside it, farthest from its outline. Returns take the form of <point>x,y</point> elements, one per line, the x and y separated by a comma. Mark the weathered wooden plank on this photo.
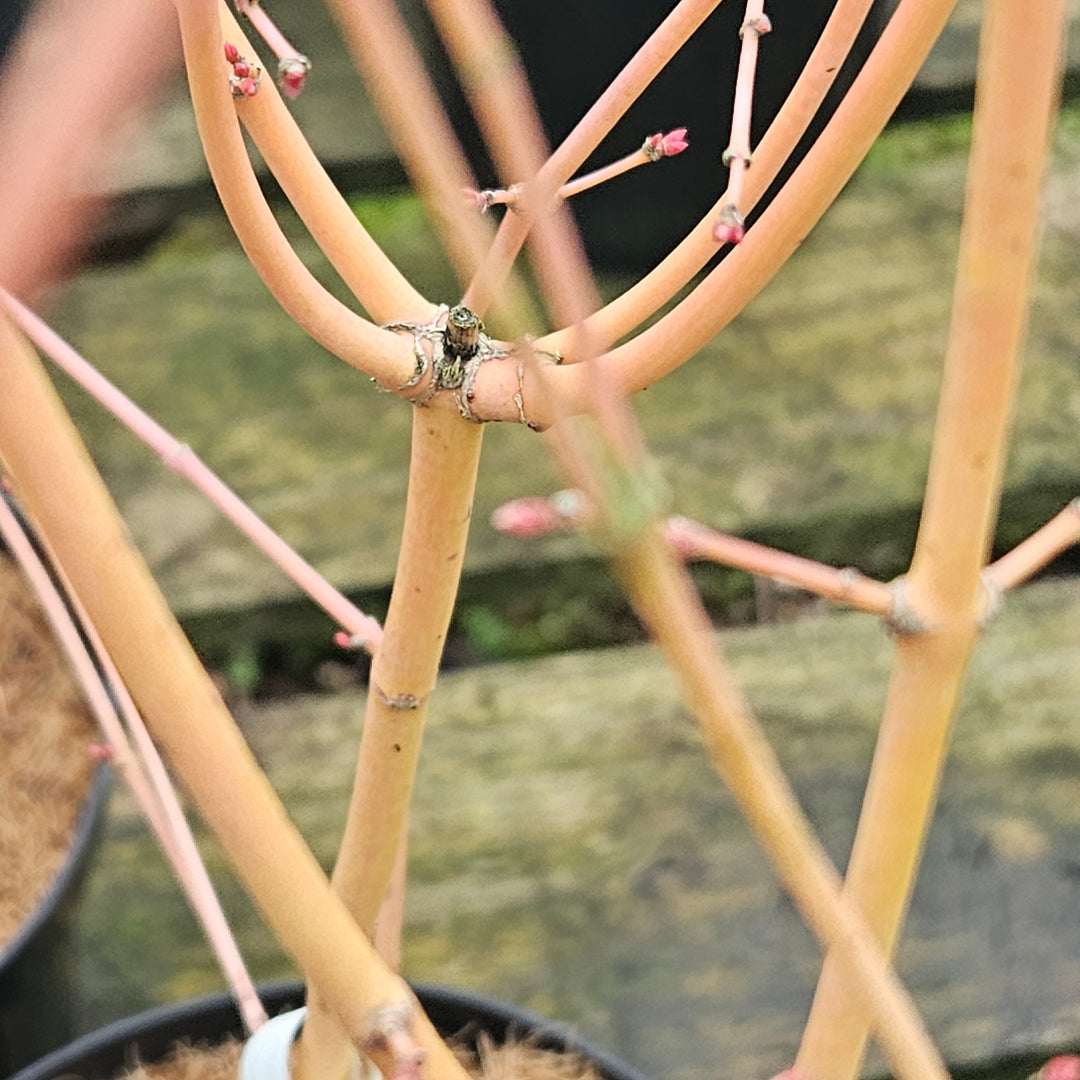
<point>574,852</point>
<point>815,407</point>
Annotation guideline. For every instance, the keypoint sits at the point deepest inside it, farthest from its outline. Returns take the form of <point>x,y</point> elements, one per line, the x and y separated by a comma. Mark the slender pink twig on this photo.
<point>846,586</point>
<point>731,225</point>
<point>293,66</point>
<point>359,629</point>
<point>565,510</point>
<point>652,150</point>
<point>152,788</point>
<point>1032,554</point>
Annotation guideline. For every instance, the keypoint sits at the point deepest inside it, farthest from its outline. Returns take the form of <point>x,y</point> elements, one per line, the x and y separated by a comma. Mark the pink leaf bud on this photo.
<point>1062,1067</point>
<point>730,227</point>
<point>247,87</point>
<point>674,142</point>
<point>232,53</point>
<point>242,69</point>
<point>292,74</point>
<point>527,518</point>
<point>344,640</point>
<point>660,145</point>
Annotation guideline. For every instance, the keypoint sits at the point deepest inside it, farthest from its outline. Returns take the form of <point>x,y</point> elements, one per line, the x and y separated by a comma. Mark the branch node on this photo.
<point>757,24</point>
<point>388,1029</point>
<point>902,619</point>
<point>993,599</point>
<point>730,155</point>
<point>397,702</point>
<point>459,346</point>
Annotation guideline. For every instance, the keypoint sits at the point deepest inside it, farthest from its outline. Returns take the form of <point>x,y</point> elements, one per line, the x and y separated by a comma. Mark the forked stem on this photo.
<point>442,480</point>
<point>65,496</point>
<point>1017,90</point>
<point>665,601</point>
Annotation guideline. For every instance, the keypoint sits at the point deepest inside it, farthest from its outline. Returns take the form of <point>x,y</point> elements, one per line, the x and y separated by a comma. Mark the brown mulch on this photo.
<point>45,769</point>
<point>516,1060</point>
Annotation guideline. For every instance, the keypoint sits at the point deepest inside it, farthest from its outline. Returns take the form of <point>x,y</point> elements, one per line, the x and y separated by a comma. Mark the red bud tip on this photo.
<point>728,234</point>
<point>242,69</point>
<point>232,53</point>
<point>660,145</point>
<point>98,752</point>
<point>674,142</point>
<point>293,77</point>
<point>528,518</point>
<point>1062,1067</point>
<point>248,87</point>
<point>349,641</point>
<point>730,227</point>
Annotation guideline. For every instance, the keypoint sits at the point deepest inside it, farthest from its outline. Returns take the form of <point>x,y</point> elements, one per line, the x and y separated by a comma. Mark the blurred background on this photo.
<point>573,851</point>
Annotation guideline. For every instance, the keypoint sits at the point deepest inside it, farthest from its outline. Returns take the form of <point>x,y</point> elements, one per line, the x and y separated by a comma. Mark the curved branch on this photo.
<point>401,89</point>
<point>374,280</point>
<point>385,356</point>
<point>602,116</point>
<point>645,297</point>
<point>554,391</point>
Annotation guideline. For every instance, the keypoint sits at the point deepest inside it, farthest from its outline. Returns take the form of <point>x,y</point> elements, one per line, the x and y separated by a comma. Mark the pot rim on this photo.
<point>486,1013</point>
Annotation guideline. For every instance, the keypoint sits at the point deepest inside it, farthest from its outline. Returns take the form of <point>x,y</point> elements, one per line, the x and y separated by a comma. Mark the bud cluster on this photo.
<point>246,74</point>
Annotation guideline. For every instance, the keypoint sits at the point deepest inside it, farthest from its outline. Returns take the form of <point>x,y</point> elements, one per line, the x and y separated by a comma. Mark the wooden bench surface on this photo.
<point>574,852</point>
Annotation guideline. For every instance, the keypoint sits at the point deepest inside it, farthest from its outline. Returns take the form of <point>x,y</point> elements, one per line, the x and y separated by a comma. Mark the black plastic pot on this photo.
<point>148,1037</point>
<point>35,975</point>
<point>572,49</point>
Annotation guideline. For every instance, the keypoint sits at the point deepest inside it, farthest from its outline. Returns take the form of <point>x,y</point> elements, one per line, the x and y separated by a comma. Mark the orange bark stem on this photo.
<point>1017,90</point>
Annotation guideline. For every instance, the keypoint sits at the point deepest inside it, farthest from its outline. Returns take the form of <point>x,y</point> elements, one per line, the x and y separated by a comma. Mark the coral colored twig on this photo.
<point>383,355</point>
<point>641,300</point>
<point>141,768</point>
<point>374,280</point>
<point>401,90</point>
<point>293,65</point>
<point>360,629</point>
<point>731,225</point>
<point>565,510</point>
<point>587,134</point>
<point>1018,85</point>
<point>1032,554</point>
<point>654,148</point>
<point>846,586</point>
